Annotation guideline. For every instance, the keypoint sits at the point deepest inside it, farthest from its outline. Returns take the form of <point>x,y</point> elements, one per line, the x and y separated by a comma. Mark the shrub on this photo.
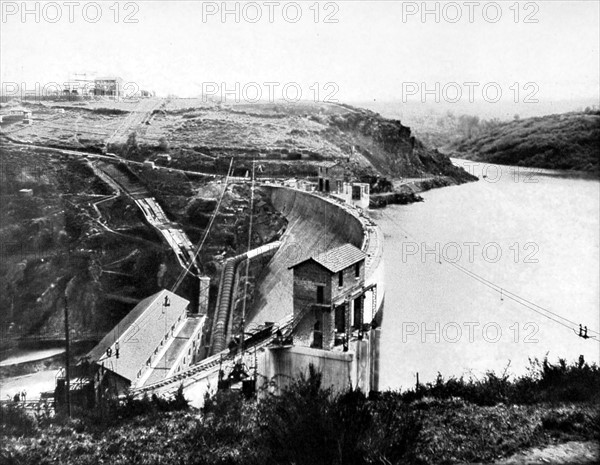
<point>16,421</point>
<point>297,426</point>
<point>545,382</point>
<point>163,145</point>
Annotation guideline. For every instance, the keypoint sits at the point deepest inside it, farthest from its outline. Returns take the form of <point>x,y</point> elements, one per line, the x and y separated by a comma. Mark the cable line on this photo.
<point>511,295</point>
<point>186,270</point>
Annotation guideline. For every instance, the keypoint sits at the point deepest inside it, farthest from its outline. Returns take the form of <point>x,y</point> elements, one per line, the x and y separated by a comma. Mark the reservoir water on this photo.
<point>459,265</point>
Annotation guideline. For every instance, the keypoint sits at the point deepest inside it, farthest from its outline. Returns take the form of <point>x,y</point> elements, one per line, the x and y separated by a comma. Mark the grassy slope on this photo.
<point>568,141</point>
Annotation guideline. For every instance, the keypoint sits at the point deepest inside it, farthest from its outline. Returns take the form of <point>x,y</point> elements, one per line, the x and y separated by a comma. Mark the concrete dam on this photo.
<point>318,225</point>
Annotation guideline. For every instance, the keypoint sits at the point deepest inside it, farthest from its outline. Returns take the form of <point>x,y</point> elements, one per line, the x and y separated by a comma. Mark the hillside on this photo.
<point>567,141</point>
<point>289,139</point>
<point>75,227</point>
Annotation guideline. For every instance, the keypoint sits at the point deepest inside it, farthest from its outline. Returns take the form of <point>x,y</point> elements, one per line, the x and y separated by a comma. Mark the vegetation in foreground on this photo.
<point>449,421</point>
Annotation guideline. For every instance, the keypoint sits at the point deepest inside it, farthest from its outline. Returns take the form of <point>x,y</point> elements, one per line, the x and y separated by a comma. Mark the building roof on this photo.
<point>328,163</point>
<point>139,333</point>
<point>337,259</point>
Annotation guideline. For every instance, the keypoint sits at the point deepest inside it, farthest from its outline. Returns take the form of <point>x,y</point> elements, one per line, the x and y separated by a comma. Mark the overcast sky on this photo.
<point>369,53</point>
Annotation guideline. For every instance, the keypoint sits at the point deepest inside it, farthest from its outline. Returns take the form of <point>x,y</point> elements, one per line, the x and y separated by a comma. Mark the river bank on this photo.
<point>407,192</point>
<point>34,370</point>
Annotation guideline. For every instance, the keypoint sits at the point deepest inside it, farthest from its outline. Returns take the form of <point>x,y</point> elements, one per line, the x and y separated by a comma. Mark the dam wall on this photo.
<point>315,224</point>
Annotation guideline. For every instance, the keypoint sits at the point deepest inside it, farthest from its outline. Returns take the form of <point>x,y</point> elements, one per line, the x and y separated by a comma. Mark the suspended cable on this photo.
<point>186,270</point>
<point>509,294</point>
<point>499,289</point>
<point>503,292</point>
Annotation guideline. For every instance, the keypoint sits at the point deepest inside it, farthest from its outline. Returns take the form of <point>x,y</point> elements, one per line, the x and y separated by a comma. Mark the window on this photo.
<point>320,294</point>
<point>357,270</point>
<point>317,335</point>
<point>341,278</point>
<point>340,318</point>
<point>358,312</point>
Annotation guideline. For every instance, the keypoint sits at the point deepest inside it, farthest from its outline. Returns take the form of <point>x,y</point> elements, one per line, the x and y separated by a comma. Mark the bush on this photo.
<point>297,426</point>
<point>545,382</point>
<point>135,407</point>
<point>308,424</point>
<point>15,421</point>
<point>163,145</point>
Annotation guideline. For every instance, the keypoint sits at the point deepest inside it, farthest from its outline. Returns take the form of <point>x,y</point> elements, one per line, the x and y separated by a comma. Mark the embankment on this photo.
<point>409,192</point>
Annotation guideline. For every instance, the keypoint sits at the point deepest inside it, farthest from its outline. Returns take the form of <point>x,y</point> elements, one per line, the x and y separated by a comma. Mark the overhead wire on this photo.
<point>186,270</point>
<point>504,292</point>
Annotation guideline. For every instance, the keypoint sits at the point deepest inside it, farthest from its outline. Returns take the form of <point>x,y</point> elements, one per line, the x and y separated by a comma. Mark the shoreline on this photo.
<point>408,192</point>
<point>565,174</point>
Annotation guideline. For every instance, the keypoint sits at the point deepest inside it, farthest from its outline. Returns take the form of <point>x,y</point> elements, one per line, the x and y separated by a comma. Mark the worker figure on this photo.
<point>279,337</point>
<point>237,373</point>
<point>583,333</point>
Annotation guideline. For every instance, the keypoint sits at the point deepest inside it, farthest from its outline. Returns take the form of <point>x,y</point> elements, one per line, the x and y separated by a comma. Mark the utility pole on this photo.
<point>247,261</point>
<point>67,353</point>
<point>166,303</point>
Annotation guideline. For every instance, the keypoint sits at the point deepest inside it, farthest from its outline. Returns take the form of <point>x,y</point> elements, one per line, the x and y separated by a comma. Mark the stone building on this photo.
<point>328,297</point>
<point>331,331</point>
<point>156,338</point>
<point>355,193</point>
<point>331,177</point>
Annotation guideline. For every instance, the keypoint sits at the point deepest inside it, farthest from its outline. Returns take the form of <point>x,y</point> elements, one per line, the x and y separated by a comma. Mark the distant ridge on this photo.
<point>569,141</point>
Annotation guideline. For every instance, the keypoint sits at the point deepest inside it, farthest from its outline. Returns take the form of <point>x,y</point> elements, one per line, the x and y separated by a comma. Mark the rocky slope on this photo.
<point>73,236</point>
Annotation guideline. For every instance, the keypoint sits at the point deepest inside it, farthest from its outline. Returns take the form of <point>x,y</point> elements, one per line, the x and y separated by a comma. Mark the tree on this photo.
<point>163,144</point>
<point>131,146</point>
<point>468,125</point>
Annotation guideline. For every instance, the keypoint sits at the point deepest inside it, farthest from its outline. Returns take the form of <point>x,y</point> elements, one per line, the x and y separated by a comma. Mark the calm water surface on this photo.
<point>536,236</point>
